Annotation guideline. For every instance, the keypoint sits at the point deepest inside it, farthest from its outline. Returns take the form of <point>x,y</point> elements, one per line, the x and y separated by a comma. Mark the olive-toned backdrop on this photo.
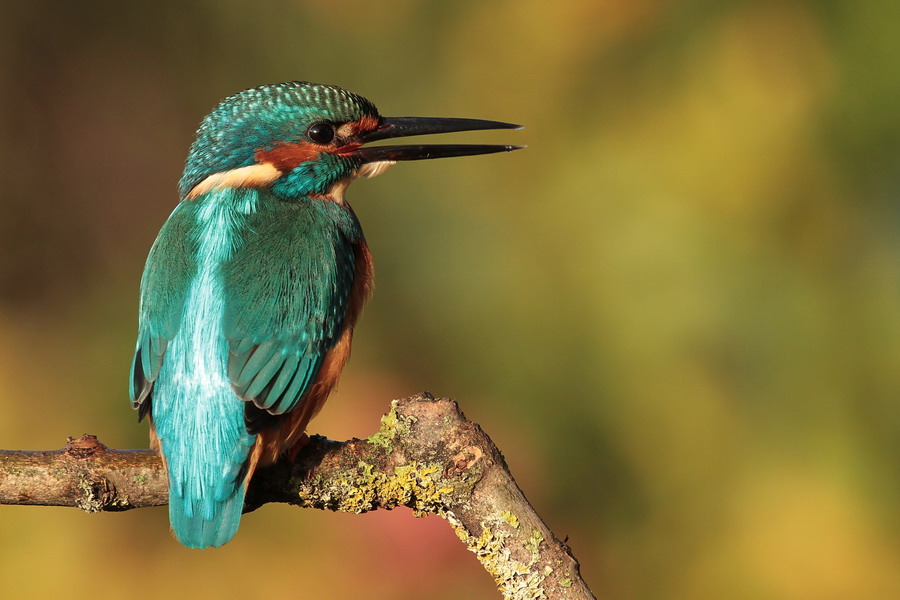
<point>677,312</point>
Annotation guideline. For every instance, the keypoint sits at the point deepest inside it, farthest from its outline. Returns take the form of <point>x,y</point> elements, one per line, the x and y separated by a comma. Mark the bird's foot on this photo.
<point>301,442</point>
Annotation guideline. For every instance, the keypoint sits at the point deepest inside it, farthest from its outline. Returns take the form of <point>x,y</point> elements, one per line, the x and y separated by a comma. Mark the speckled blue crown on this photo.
<point>249,120</point>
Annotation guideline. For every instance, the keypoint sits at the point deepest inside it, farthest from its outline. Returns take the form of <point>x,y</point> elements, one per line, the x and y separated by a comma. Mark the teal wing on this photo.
<point>287,292</point>
<point>151,346</point>
<point>164,288</point>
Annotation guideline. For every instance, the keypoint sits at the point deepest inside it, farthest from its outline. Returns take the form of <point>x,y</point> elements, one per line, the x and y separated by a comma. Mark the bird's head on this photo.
<point>304,139</point>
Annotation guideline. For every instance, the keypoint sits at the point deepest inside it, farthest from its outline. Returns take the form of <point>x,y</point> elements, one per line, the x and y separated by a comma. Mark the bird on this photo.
<point>252,289</point>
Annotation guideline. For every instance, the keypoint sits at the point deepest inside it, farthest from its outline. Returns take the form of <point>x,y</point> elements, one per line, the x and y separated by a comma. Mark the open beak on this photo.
<point>393,127</point>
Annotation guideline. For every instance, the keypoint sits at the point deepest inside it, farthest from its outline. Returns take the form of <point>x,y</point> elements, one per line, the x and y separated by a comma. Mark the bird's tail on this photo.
<point>196,530</point>
<point>206,511</point>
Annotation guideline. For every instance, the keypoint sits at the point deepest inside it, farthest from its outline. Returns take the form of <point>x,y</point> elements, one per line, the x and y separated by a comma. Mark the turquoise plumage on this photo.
<point>253,286</point>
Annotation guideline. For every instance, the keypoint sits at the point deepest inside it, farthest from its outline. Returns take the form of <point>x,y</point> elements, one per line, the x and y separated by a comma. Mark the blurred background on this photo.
<point>677,312</point>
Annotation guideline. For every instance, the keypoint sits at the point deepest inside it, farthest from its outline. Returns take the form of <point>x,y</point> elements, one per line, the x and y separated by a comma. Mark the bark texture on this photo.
<point>426,455</point>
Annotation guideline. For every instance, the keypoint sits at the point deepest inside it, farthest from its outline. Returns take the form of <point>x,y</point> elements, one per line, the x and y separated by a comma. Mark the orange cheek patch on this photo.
<point>364,124</point>
<point>286,156</point>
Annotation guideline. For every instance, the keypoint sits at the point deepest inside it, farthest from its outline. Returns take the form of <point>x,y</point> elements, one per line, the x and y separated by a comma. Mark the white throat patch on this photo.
<point>373,169</point>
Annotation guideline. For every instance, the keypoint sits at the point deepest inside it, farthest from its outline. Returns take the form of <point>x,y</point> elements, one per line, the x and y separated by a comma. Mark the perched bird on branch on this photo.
<point>254,284</point>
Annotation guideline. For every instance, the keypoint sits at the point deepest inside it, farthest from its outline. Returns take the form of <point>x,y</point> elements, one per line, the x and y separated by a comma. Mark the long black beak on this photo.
<point>393,127</point>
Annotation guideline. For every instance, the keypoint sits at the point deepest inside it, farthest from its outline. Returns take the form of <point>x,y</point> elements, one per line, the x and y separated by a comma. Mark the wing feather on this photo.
<point>164,288</point>
<point>287,295</point>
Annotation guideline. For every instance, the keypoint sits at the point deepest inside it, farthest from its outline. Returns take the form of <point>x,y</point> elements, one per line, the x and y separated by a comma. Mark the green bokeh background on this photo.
<point>677,312</point>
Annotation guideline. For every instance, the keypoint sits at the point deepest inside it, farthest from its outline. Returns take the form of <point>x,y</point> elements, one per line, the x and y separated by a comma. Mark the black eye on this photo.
<point>321,133</point>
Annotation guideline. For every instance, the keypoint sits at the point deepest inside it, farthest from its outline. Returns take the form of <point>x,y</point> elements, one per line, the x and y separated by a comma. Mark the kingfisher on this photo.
<point>254,284</point>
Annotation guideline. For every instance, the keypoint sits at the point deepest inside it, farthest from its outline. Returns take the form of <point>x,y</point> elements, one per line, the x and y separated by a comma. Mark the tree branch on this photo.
<point>426,456</point>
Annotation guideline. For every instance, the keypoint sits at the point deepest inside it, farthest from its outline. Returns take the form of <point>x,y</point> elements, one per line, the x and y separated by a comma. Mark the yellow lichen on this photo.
<point>534,543</point>
<point>122,501</point>
<point>515,580</point>
<point>89,503</point>
<point>392,426</point>
<point>362,489</point>
<point>510,518</point>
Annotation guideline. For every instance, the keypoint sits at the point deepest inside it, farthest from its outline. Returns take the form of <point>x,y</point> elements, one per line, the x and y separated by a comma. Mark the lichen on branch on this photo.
<point>426,455</point>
